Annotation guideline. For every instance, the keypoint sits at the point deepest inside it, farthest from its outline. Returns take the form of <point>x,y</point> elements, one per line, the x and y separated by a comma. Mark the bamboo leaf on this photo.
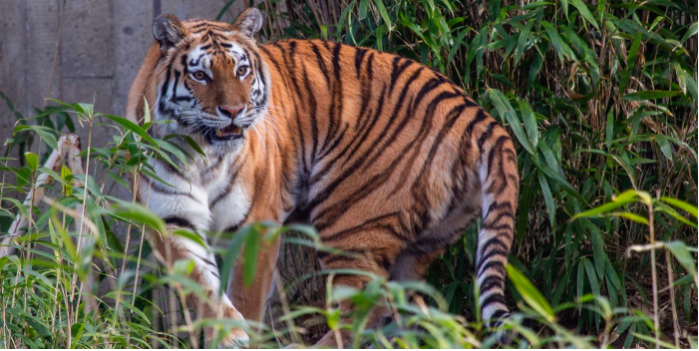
<point>382,11</point>
<point>252,247</point>
<point>691,209</point>
<point>32,161</point>
<point>651,95</point>
<point>585,12</point>
<point>504,108</point>
<point>679,250</point>
<point>529,122</point>
<point>530,294</point>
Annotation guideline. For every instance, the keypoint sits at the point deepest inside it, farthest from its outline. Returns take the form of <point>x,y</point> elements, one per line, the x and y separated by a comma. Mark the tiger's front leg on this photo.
<point>183,207</point>
<point>251,299</point>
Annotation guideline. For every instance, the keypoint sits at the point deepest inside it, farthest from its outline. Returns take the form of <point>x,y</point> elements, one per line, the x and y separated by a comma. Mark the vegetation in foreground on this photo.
<point>601,98</point>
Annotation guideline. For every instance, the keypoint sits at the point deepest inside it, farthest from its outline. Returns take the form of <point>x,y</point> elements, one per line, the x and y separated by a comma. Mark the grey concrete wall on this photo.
<point>83,51</point>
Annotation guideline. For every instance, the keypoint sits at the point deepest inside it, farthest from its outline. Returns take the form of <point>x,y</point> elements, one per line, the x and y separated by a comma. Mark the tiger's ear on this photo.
<point>249,22</point>
<point>168,30</point>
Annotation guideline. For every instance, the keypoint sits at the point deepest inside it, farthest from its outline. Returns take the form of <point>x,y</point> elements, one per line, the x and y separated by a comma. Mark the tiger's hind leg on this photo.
<point>375,252</point>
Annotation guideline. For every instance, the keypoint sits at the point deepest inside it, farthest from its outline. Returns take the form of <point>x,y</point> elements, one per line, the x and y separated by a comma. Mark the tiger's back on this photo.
<point>387,159</point>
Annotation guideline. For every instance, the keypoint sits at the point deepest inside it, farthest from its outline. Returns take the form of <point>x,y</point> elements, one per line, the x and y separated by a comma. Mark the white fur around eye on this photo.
<point>242,71</point>
<point>203,77</point>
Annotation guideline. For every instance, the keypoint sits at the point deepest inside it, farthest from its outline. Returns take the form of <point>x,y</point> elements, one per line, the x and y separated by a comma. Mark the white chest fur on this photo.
<point>209,194</point>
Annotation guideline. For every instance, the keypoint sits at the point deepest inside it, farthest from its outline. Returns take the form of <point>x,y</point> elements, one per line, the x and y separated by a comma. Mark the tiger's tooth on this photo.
<point>219,132</point>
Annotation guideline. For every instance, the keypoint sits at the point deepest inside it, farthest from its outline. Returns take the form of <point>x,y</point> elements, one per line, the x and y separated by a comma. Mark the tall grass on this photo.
<point>601,98</point>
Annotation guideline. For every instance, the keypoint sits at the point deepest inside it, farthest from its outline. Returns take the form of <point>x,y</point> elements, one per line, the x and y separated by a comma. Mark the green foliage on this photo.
<point>601,100</point>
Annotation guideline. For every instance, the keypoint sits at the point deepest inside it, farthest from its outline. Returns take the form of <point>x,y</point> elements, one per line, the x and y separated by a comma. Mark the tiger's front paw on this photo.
<point>237,339</point>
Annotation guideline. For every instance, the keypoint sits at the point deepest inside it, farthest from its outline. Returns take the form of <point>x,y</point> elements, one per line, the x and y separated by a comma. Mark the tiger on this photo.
<point>387,159</point>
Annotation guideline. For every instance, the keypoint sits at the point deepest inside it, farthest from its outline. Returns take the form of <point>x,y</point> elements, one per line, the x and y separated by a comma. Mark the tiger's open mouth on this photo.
<point>230,131</point>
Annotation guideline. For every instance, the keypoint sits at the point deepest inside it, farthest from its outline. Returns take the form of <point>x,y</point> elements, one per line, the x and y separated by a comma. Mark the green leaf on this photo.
<point>252,246</point>
<point>146,111</point>
<point>651,95</point>
<point>679,250</point>
<point>44,133</point>
<point>382,11</point>
<point>661,207</point>
<point>630,216</point>
<point>691,209</point>
<point>530,294</point>
<point>67,187</point>
<point>141,215</point>
<point>610,127</point>
<point>630,62</point>
<point>664,146</point>
<point>591,276</point>
<point>597,248</point>
<point>619,200</point>
<point>504,108</point>
<point>690,33</point>
<point>363,4</point>
<point>132,127</point>
<point>232,253</point>
<point>585,12</point>
<point>651,340</point>
<point>580,281</point>
<point>523,39</point>
<point>529,122</point>
<point>685,80</point>
<point>189,235</point>
<point>32,161</point>
<point>548,199</point>
<point>562,49</point>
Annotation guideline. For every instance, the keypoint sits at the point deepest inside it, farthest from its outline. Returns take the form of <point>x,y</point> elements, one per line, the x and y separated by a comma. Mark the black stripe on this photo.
<point>494,241</point>
<point>355,144</point>
<point>491,282</point>
<point>505,214</point>
<point>358,57</point>
<point>368,223</point>
<point>486,134</point>
<point>180,222</point>
<point>488,256</point>
<point>499,314</point>
<point>321,63</point>
<point>491,154</point>
<point>397,70</point>
<point>493,298</point>
<point>396,109</point>
<point>480,115</point>
<point>507,205</point>
<point>231,182</point>
<point>427,88</point>
<point>367,87</point>
<point>207,261</point>
<point>336,104</point>
<point>158,187</point>
<point>496,265</point>
<point>314,111</point>
<point>496,227</point>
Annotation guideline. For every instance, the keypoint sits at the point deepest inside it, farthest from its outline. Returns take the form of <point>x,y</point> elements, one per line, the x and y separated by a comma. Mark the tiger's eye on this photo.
<point>199,75</point>
<point>242,70</point>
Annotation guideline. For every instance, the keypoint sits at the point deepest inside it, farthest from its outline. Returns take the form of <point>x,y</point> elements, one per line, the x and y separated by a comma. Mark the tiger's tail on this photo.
<point>499,180</point>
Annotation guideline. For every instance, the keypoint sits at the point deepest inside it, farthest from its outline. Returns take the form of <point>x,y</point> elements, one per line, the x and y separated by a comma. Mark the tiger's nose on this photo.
<point>230,111</point>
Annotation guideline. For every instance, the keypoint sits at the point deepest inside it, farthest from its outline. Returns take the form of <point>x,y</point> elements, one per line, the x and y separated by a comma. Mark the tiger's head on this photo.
<point>209,79</point>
